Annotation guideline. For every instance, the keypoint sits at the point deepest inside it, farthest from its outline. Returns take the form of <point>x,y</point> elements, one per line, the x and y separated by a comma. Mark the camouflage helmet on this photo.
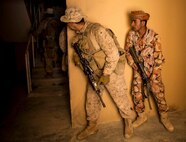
<point>72,15</point>
<point>139,15</point>
<point>49,11</point>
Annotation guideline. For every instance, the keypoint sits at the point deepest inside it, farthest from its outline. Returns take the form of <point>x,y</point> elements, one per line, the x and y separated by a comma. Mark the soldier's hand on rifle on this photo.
<point>134,66</point>
<point>76,60</point>
<point>104,79</point>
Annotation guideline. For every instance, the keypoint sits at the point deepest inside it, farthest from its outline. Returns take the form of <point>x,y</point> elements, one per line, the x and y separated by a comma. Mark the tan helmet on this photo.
<point>139,15</point>
<point>72,14</point>
<point>49,11</point>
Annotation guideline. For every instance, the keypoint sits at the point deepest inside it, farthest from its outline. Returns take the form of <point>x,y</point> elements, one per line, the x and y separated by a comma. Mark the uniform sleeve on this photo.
<point>108,46</point>
<point>62,40</point>
<point>128,45</point>
<point>158,55</point>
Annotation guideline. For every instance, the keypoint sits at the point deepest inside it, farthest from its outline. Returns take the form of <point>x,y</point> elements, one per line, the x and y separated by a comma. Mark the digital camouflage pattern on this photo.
<point>49,29</point>
<point>150,53</point>
<point>99,49</point>
<point>63,47</point>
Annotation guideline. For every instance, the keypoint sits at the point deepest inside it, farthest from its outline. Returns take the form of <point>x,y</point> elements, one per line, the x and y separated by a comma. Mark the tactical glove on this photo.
<point>76,60</point>
<point>104,79</point>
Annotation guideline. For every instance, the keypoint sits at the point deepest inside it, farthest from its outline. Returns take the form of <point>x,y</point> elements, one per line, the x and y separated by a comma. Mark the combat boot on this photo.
<point>141,118</point>
<point>166,122</point>
<point>128,128</point>
<point>89,130</point>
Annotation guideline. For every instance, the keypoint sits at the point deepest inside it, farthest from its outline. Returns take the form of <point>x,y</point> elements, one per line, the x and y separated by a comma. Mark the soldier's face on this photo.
<point>73,26</point>
<point>136,25</point>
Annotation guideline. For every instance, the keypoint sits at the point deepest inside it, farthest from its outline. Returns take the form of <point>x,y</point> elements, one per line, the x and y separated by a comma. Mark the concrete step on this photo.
<point>55,90</point>
<point>39,78</point>
<point>38,82</point>
<point>39,72</point>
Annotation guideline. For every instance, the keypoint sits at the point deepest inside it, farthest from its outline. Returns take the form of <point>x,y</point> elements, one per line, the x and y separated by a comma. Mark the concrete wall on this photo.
<point>15,23</point>
<point>167,18</point>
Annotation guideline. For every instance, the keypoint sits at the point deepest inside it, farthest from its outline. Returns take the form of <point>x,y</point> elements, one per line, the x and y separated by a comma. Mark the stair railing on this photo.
<point>29,62</point>
<point>32,44</point>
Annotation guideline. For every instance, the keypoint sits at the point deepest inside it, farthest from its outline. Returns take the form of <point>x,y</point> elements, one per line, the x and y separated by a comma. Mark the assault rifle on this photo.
<point>89,72</point>
<point>143,74</point>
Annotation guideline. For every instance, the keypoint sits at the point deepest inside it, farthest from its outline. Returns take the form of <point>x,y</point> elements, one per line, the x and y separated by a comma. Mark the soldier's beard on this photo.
<point>134,29</point>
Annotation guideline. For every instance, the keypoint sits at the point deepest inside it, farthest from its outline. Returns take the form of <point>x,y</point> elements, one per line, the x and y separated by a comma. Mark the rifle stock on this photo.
<point>89,72</point>
<point>143,74</point>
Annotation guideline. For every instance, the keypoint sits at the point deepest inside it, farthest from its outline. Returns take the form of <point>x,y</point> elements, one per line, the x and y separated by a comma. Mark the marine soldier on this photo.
<point>63,47</point>
<point>49,29</point>
<point>100,50</point>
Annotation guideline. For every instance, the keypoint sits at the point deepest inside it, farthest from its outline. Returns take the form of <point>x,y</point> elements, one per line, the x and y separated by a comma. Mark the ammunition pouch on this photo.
<point>99,58</point>
<point>121,63</point>
<point>122,58</point>
<point>98,61</point>
<point>119,70</point>
<point>95,67</point>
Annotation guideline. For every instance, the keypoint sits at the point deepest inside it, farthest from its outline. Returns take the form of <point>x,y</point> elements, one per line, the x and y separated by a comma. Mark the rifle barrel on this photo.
<point>89,72</point>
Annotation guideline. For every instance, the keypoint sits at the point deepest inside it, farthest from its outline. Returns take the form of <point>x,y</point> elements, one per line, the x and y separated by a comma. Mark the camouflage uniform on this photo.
<point>49,28</point>
<point>148,49</point>
<point>150,53</point>
<point>63,47</point>
<point>100,50</point>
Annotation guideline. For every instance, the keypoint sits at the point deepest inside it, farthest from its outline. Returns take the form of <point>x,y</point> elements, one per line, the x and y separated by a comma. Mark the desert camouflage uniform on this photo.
<point>63,47</point>
<point>100,50</point>
<point>49,28</point>
<point>150,53</point>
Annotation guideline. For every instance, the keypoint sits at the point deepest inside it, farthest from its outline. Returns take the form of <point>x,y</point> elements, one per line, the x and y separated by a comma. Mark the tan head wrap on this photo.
<point>139,15</point>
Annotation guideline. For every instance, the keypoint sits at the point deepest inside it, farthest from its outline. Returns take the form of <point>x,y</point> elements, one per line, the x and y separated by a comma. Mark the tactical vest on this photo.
<point>92,51</point>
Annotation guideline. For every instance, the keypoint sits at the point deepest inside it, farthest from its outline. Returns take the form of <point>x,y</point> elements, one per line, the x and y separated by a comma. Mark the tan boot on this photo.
<point>89,130</point>
<point>128,128</point>
<point>166,122</point>
<point>142,118</point>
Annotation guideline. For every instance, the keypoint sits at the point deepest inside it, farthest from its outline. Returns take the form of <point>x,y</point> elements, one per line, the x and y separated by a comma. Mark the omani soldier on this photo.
<point>99,48</point>
<point>148,47</point>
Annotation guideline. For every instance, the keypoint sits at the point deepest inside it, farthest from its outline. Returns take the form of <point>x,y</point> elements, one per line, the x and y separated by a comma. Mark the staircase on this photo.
<point>44,86</point>
<point>56,85</point>
<point>37,83</point>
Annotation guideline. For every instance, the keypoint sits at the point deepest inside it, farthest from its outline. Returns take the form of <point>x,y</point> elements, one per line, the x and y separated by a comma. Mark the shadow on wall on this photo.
<point>13,78</point>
